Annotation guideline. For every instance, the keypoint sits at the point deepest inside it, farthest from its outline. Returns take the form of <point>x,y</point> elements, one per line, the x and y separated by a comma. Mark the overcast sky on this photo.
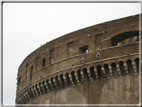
<point>28,25</point>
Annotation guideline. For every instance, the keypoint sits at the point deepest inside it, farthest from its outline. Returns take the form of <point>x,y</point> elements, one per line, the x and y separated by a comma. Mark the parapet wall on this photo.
<point>84,59</point>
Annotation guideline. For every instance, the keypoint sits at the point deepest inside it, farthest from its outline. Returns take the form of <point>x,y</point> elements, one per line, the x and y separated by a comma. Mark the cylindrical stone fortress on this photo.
<point>94,65</point>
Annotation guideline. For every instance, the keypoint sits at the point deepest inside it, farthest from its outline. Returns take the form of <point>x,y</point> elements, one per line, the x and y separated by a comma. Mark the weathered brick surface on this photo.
<point>63,60</point>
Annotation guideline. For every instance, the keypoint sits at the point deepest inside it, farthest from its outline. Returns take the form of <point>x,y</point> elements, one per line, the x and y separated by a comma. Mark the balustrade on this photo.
<point>118,69</point>
<point>134,67</point>
<point>126,67</point>
<point>77,79</point>
<point>89,74</point>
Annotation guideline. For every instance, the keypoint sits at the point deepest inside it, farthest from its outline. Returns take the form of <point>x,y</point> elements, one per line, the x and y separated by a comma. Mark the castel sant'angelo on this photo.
<point>94,65</point>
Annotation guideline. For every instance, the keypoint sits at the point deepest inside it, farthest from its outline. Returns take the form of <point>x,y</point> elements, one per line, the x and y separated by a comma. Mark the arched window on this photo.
<point>85,74</point>
<point>92,72</point>
<point>62,80</point>
<point>73,77</point>
<point>67,78</point>
<point>107,70</point>
<point>114,69</point>
<point>79,75</point>
<point>125,37</point>
<point>99,72</point>
<point>130,67</point>
<point>122,68</point>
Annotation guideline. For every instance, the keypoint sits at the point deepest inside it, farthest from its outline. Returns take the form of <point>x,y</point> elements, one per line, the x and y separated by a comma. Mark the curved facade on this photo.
<point>94,65</point>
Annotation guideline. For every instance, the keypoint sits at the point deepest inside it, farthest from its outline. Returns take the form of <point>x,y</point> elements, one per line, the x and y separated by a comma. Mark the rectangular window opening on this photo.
<point>26,70</point>
<point>43,62</point>
<point>51,57</point>
<point>70,49</point>
<point>31,72</point>
<point>19,80</point>
<point>83,49</point>
<point>36,62</point>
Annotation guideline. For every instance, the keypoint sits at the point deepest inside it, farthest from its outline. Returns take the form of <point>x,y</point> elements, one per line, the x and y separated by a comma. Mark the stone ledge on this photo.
<point>78,56</point>
<point>75,67</point>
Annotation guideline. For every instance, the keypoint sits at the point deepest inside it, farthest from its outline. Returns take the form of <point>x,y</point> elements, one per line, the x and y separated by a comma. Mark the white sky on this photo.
<point>28,25</point>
